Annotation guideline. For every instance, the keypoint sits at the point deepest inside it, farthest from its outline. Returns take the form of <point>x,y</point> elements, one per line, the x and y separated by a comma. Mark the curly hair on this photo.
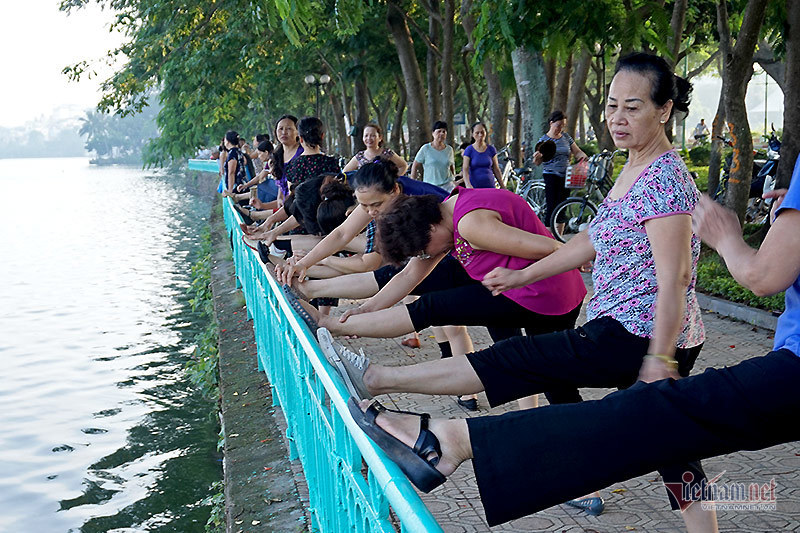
<point>404,228</point>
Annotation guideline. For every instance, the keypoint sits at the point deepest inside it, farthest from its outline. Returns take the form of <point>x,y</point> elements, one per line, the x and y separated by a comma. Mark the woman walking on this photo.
<point>436,159</point>
<point>480,167</point>
<point>555,170</point>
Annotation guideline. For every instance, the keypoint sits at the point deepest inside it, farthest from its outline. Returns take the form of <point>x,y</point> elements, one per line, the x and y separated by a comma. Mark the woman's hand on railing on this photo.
<point>293,268</point>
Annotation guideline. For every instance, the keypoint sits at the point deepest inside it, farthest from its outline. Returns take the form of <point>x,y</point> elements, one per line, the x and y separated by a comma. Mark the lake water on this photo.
<point>101,431</point>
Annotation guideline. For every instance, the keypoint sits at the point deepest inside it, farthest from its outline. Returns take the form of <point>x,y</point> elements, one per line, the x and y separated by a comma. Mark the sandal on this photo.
<point>414,462</point>
<point>299,309</point>
<point>593,506</point>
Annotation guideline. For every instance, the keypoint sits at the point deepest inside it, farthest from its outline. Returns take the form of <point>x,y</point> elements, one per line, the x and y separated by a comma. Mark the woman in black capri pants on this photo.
<point>643,320</point>
<point>527,461</point>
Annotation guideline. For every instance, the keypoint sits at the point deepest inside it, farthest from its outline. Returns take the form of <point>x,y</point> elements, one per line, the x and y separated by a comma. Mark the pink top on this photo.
<point>557,295</point>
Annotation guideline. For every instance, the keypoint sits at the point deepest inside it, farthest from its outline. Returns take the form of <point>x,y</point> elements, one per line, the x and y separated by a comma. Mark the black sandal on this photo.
<point>414,462</point>
<point>294,302</point>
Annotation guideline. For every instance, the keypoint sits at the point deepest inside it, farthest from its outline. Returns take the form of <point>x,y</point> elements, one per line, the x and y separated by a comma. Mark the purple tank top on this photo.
<point>282,182</point>
<point>557,295</point>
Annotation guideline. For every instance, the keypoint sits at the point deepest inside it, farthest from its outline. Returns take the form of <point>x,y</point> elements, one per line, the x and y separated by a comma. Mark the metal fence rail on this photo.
<point>352,485</point>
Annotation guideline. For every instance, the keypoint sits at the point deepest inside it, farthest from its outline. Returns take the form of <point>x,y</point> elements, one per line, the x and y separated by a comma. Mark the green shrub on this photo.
<point>202,368</point>
<point>699,155</point>
<point>713,278</point>
<point>589,148</point>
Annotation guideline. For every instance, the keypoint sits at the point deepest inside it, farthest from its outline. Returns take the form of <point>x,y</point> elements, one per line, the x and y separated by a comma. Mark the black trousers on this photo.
<point>529,460</point>
<point>599,354</point>
<point>448,296</point>
<point>554,193</point>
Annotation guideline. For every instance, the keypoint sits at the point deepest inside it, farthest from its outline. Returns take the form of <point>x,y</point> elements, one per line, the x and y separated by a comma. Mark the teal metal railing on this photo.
<point>352,485</point>
<point>205,165</point>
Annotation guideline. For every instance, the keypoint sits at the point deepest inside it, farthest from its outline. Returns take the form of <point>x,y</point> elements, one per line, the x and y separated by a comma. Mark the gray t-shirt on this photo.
<point>558,165</point>
<point>436,164</point>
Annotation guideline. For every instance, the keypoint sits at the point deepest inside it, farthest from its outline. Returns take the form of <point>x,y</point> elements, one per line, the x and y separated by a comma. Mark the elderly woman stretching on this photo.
<point>644,320</point>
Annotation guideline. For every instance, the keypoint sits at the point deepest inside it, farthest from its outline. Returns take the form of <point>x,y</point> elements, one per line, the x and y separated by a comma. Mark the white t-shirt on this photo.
<point>436,164</point>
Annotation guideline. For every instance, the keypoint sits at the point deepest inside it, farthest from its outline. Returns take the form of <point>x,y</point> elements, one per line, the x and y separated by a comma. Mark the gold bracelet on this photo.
<point>666,359</point>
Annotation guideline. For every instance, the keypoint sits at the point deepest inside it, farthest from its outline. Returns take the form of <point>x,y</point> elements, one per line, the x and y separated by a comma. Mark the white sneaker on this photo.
<point>350,365</point>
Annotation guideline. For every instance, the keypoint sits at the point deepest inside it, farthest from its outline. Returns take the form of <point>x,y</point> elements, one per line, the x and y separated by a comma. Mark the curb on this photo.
<point>750,315</point>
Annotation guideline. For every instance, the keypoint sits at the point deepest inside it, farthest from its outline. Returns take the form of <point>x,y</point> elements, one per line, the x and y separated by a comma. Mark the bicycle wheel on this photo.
<point>571,217</point>
<point>534,195</point>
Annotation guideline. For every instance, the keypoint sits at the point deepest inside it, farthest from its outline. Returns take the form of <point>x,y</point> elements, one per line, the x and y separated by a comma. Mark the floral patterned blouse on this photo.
<point>309,166</point>
<point>624,272</point>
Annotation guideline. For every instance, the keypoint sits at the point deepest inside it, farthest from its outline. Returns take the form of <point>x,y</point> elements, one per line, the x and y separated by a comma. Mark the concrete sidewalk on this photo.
<point>639,504</point>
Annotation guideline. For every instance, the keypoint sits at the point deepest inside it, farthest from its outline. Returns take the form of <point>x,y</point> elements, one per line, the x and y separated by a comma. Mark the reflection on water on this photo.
<point>102,432</point>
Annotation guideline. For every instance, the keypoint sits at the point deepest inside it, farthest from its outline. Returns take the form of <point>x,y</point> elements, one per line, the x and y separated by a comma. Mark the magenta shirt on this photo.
<point>556,295</point>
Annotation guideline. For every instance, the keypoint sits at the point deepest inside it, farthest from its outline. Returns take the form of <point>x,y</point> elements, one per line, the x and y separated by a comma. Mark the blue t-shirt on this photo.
<point>480,167</point>
<point>787,336</point>
<point>558,165</point>
<point>413,187</point>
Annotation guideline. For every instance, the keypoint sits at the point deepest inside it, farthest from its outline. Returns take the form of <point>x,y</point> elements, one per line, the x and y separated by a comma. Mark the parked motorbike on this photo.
<point>765,167</point>
<point>757,207</point>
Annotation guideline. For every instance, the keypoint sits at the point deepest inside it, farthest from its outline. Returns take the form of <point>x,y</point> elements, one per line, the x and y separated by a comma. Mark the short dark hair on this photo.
<point>439,125</point>
<point>260,137</point>
<point>376,128</point>
<point>404,228</point>
<point>665,85</point>
<point>232,137</point>
<point>311,129</point>
<point>556,115</point>
<point>265,146</point>
<point>381,173</point>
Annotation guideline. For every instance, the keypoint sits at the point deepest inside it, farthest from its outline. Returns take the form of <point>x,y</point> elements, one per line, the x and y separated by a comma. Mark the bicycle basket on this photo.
<point>576,175</point>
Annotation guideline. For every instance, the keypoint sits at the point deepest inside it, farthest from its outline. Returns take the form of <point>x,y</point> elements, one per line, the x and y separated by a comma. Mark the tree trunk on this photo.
<point>532,88</point>
<point>432,65</point>
<point>418,120</point>
<point>498,104</point>
<point>561,97</point>
<point>677,23</point>
<point>738,72</point>
<point>448,42</point>
<point>765,57</point>
<point>472,108</point>
<point>580,74</point>
<point>717,127</point>
<point>342,144</point>
<point>361,97</point>
<point>550,70</point>
<point>396,138</point>
<point>790,146</point>
<point>516,134</point>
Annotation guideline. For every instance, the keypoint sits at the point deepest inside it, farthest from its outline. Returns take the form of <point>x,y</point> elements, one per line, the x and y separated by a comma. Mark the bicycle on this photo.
<point>519,181</point>
<point>574,214</point>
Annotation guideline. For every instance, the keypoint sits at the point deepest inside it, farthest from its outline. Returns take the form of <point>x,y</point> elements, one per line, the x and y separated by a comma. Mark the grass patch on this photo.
<point>202,368</point>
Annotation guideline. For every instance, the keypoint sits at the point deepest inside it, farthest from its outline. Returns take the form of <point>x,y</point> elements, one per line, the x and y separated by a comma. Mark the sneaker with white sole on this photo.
<point>350,365</point>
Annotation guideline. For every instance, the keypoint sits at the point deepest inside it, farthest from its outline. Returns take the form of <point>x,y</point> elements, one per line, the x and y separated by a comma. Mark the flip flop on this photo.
<point>414,462</point>
<point>593,506</point>
<point>250,243</point>
<point>299,309</point>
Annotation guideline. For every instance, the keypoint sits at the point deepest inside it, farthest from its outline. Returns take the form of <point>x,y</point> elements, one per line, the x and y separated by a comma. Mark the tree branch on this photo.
<point>425,37</point>
<point>701,68</point>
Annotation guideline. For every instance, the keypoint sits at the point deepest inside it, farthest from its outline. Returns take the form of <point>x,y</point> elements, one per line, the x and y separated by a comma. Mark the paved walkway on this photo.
<point>639,504</point>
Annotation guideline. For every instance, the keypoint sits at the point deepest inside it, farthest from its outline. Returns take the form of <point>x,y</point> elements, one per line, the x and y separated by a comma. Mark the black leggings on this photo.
<point>599,354</point>
<point>526,461</point>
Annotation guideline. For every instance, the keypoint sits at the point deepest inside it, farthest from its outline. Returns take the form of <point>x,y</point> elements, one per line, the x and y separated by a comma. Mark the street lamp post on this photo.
<point>317,83</point>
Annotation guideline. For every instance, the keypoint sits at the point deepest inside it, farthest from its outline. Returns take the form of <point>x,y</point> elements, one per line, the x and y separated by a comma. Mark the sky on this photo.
<point>45,40</point>
<point>38,45</point>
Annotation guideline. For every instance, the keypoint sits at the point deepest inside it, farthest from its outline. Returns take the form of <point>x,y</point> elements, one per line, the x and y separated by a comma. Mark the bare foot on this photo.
<point>452,434</point>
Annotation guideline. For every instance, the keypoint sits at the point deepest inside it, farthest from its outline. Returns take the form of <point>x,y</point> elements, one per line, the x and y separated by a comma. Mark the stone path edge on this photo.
<point>751,315</point>
<point>263,492</point>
